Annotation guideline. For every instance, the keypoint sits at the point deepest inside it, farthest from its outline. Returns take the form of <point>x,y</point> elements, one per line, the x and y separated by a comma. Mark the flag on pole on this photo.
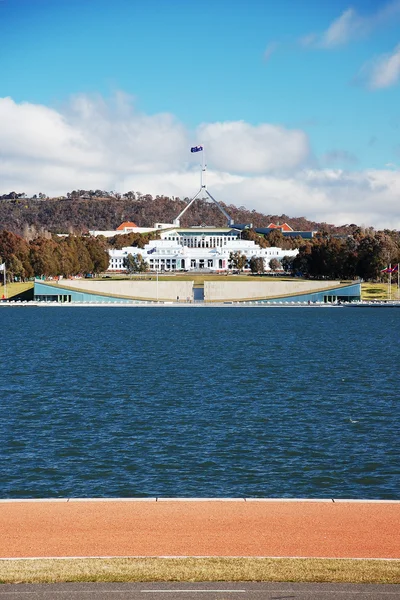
<point>152,250</point>
<point>196,149</point>
<point>3,267</point>
<point>389,270</point>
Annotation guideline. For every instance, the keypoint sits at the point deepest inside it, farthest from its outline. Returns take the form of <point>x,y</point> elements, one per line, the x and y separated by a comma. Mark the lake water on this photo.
<point>204,402</point>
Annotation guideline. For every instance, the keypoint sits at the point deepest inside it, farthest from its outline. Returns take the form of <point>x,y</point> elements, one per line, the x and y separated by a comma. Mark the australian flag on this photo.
<point>196,149</point>
<point>152,250</point>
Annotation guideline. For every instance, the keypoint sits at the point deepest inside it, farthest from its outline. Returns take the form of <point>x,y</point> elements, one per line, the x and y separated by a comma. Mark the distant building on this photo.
<point>284,227</point>
<point>196,249</point>
<point>127,227</point>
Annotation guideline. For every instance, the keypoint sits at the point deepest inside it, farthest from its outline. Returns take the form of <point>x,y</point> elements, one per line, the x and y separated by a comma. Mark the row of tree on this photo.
<point>361,255</point>
<point>238,261</point>
<point>52,256</point>
<point>138,240</point>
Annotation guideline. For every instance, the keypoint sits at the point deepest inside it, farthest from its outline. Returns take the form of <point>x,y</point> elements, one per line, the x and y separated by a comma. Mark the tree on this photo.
<point>43,257</point>
<point>301,261</point>
<point>135,263</point>
<point>375,252</point>
<point>15,268</point>
<point>237,260</point>
<point>64,256</point>
<point>250,234</point>
<point>14,247</point>
<point>276,238</point>
<point>97,249</point>
<point>134,239</point>
<point>73,256</point>
<point>85,263</point>
<point>287,263</point>
<point>274,264</point>
<point>257,264</point>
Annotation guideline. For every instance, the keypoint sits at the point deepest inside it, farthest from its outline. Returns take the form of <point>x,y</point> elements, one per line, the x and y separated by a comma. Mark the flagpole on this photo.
<point>5,282</point>
<point>203,183</point>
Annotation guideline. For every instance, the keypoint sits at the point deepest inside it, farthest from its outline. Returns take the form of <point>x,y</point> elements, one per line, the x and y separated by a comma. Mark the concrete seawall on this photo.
<point>215,291</point>
<point>174,290</point>
<point>163,290</point>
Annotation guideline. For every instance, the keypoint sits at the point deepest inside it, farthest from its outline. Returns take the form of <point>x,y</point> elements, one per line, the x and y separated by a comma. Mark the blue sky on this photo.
<point>314,81</point>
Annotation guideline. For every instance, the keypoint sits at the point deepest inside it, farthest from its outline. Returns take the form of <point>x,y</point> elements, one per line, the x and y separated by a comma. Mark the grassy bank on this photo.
<point>378,291</point>
<point>199,569</point>
<point>16,289</point>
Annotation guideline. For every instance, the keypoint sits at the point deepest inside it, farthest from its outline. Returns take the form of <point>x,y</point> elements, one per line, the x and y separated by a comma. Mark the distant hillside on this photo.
<point>81,211</point>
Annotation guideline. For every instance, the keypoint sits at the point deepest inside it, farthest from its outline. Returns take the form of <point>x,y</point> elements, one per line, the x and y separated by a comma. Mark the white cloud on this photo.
<point>244,148</point>
<point>343,29</point>
<point>352,25</point>
<point>37,132</point>
<point>95,144</point>
<point>367,198</point>
<point>383,71</point>
<point>91,135</point>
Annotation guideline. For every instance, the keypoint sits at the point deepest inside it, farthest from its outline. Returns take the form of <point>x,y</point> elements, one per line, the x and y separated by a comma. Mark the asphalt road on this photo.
<point>196,591</point>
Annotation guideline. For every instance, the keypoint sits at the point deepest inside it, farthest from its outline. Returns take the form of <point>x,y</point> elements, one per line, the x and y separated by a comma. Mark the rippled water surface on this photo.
<point>274,402</point>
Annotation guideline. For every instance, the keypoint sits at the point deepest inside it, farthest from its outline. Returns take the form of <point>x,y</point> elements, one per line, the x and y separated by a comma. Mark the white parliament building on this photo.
<point>195,249</point>
<point>191,248</point>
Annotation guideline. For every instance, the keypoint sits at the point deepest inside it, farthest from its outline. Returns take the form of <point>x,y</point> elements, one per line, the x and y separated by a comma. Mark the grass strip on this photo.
<point>14,289</point>
<point>199,569</point>
<point>378,291</point>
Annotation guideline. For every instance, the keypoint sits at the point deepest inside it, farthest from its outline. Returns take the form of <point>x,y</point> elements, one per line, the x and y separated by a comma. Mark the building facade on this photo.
<point>196,249</point>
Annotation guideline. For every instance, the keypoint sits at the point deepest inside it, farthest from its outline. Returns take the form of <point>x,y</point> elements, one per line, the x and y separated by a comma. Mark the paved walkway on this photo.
<point>132,527</point>
<point>192,591</point>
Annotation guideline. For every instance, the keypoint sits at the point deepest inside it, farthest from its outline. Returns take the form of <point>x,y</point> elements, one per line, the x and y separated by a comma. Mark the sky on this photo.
<point>296,102</point>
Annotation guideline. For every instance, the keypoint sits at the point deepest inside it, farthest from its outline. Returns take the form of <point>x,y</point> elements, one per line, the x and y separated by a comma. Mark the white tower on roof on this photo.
<point>203,188</point>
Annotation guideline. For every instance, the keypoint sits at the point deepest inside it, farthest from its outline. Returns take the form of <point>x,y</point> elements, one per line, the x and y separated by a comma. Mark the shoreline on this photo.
<point>227,304</point>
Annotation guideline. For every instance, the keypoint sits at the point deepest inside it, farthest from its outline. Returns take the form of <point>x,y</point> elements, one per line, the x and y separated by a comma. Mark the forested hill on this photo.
<point>83,210</point>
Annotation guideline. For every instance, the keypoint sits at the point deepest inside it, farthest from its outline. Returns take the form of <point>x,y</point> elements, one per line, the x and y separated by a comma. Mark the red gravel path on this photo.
<point>198,528</point>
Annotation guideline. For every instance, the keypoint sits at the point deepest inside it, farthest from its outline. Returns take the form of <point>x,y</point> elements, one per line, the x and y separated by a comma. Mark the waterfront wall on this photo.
<point>214,291</point>
<point>141,290</point>
<point>219,291</point>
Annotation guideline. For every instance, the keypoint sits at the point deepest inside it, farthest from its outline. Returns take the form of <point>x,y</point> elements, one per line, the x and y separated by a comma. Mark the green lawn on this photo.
<point>14,289</point>
<point>378,291</point>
